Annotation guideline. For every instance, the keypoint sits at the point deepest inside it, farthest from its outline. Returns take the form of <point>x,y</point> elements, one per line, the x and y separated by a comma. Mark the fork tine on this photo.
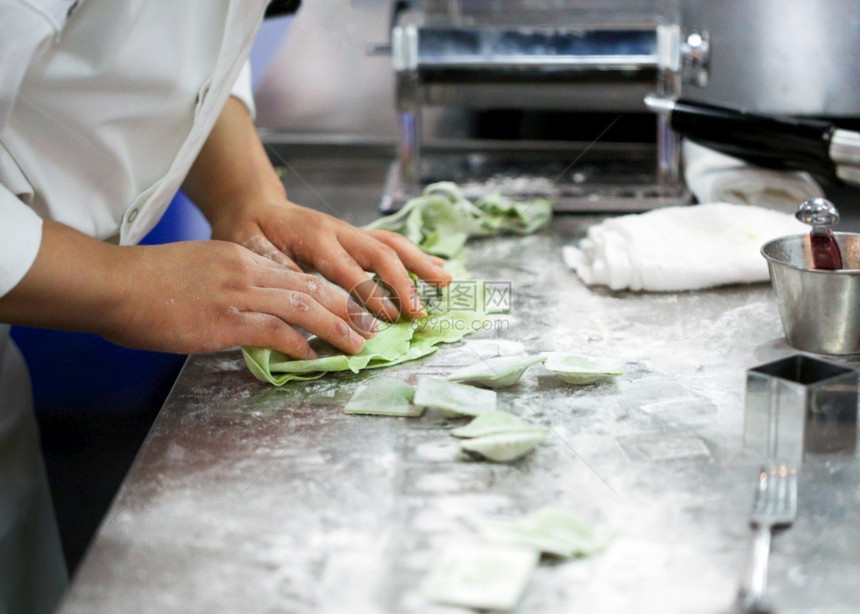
<point>760,499</point>
<point>792,491</point>
<point>781,496</point>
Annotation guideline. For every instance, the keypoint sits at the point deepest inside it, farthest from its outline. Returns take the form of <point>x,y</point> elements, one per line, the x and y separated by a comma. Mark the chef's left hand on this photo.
<point>234,184</point>
<point>298,237</point>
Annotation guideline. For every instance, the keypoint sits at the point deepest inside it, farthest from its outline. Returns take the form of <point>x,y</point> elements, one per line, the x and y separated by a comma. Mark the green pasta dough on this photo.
<point>442,219</point>
<point>400,342</point>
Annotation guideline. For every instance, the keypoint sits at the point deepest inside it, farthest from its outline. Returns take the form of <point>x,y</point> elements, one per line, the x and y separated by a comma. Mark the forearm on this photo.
<point>72,285</point>
<point>184,297</point>
<point>232,170</point>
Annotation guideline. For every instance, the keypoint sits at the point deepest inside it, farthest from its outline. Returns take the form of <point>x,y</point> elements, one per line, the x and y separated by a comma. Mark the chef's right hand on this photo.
<point>181,297</point>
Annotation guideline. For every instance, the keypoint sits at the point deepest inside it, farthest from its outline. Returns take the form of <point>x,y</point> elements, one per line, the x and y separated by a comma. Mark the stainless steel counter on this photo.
<point>249,498</point>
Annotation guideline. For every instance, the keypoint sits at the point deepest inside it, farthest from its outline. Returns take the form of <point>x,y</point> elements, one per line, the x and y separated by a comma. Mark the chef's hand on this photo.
<point>233,183</point>
<point>210,295</point>
<point>182,297</point>
<point>296,237</point>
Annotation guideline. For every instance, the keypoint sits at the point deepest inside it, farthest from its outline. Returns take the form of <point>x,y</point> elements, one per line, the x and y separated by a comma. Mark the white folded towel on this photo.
<point>680,248</point>
<point>716,177</point>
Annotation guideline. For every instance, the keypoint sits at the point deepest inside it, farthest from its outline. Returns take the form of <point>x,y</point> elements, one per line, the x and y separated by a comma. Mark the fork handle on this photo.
<point>754,581</point>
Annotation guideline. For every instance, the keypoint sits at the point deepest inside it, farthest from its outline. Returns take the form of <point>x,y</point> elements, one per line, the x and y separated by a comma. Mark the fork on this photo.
<point>774,506</point>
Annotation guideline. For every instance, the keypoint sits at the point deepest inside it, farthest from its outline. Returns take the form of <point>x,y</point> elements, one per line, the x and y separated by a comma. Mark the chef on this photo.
<point>107,108</point>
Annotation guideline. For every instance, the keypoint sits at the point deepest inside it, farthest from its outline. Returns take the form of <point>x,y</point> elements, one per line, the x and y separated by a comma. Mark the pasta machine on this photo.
<point>540,98</point>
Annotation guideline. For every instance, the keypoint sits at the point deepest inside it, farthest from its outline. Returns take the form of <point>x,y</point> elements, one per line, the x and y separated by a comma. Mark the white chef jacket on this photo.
<point>104,105</point>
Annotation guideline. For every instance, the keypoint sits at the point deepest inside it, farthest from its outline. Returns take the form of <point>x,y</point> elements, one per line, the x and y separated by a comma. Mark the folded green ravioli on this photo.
<point>504,447</point>
<point>498,372</point>
<point>484,576</point>
<point>580,370</point>
<point>495,423</point>
<point>453,399</point>
<point>384,397</point>
<point>552,530</point>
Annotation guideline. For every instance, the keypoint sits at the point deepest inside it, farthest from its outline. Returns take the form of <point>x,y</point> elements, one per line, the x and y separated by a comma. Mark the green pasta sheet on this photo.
<point>442,218</point>
<point>394,344</point>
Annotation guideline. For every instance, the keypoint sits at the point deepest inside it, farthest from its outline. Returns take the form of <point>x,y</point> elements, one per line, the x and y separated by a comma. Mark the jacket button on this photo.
<point>132,215</point>
<point>202,94</point>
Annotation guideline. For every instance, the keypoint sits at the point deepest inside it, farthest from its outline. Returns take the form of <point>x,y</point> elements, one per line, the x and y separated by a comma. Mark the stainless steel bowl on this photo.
<point>820,310</point>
